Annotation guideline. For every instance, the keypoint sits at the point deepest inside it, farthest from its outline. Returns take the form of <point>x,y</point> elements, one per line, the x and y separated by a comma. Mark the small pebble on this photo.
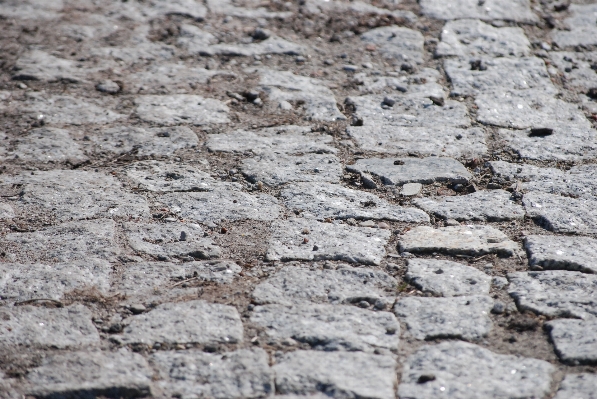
<point>367,223</point>
<point>388,101</point>
<point>498,307</point>
<point>284,105</point>
<point>452,222</point>
<point>411,189</point>
<point>137,308</point>
<point>261,34</point>
<point>350,68</point>
<point>383,225</point>
<point>108,86</point>
<point>363,304</point>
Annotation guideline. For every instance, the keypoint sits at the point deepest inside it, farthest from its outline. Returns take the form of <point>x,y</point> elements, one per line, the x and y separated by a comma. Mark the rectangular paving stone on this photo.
<point>575,341</point>
<point>60,328</point>
<point>446,278</point>
<point>271,45</point>
<point>46,145</point>
<point>161,176</point>
<point>493,375</point>
<point>358,7</point>
<point>508,10</point>
<point>39,65</point>
<point>577,68</point>
<point>329,327</point>
<point>244,373</point>
<point>169,78</point>
<point>562,214</point>
<point>582,385</point>
<point>398,44</point>
<point>423,83</point>
<point>336,374</point>
<point>582,28</point>
<point>562,253</point>
<point>181,109</point>
<point>229,8</point>
<point>462,317</point>
<point>326,241</point>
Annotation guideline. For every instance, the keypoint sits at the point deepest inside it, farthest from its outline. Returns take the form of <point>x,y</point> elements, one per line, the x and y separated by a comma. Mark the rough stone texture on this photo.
<point>181,109</point>
<point>60,328</point>
<point>161,176</point>
<point>90,374</point>
<point>423,83</point>
<point>466,240</point>
<point>396,43</point>
<point>562,253</point>
<point>325,200</point>
<point>462,317</point>
<point>195,322</point>
<point>446,278</point>
<point>576,68</point>
<point>509,10</point>
<point>32,9</point>
<point>228,8</point>
<point>582,385</point>
<point>562,214</point>
<point>358,7</point>
<point>169,78</point>
<point>398,171</point>
<point>336,374</point>
<point>329,327</point>
<point>292,285</point>
<point>188,8</point>
<point>189,374</point>
<point>575,341</point>
<point>493,375</point>
<point>440,141</point>
<point>39,65</point>
<point>555,293</point>
<point>47,145</point>
<point>491,205</point>
<point>326,241</point>
<point>583,30</point>
<point>6,211</point>
<point>271,45</point>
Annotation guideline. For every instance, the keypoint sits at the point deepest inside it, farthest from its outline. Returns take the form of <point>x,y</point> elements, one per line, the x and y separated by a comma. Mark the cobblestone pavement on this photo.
<point>303,199</point>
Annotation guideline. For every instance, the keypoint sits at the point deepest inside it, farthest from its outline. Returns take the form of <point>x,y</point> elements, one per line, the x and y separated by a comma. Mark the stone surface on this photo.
<point>169,78</point>
<point>39,65</point>
<point>575,341</point>
<point>271,45</point>
<point>181,109</point>
<point>411,189</point>
<point>562,214</point>
<point>491,206</point>
<point>583,385</point>
<point>493,376</point>
<point>576,68</point>
<point>326,241</point>
<point>325,200</point>
<point>562,253</point>
<point>462,317</point>
<point>228,8</point>
<point>555,293</point>
<point>581,22</point>
<point>423,83</point>
<point>397,44</point>
<point>446,278</point>
<point>159,176</point>
<point>32,9</point>
<point>336,374</point>
<point>509,10</point>
<point>358,7</point>
<point>47,145</point>
<point>329,327</point>
<point>467,240</point>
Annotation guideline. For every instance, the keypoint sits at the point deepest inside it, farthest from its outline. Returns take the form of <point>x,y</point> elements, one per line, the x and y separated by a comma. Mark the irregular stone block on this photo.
<point>228,8</point>
<point>582,28</point>
<point>581,385</point>
<point>47,145</point>
<point>576,67</point>
<point>194,39</point>
<point>446,278</point>
<point>32,9</point>
<point>39,65</point>
<point>575,341</point>
<point>181,109</point>
<point>423,83</point>
<point>562,253</point>
<point>396,43</point>
<point>271,45</point>
<point>188,8</point>
<point>326,241</point>
<point>509,10</point>
<point>357,7</point>
<point>163,177</point>
<point>169,78</point>
<point>562,214</point>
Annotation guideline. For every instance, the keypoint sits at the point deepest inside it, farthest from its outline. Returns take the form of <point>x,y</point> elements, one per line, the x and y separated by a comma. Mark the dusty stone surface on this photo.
<point>39,65</point>
<point>562,214</point>
<point>561,253</point>
<point>169,78</point>
<point>423,83</point>
<point>583,31</point>
<point>446,278</point>
<point>47,145</point>
<point>181,109</point>
<point>517,10</point>
<point>582,384</point>
<point>397,44</point>
<point>161,176</point>
<point>32,9</point>
<point>575,341</point>
<point>576,67</point>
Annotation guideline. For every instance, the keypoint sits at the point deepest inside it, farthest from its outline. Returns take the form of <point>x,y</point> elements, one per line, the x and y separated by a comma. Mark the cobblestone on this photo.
<point>518,10</point>
<point>582,27</point>
<point>160,176</point>
<point>574,340</point>
<point>561,253</point>
<point>181,108</point>
<point>446,278</point>
<point>580,385</point>
<point>562,214</point>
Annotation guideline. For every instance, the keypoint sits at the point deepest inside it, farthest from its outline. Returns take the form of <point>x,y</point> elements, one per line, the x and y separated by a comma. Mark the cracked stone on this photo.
<point>396,43</point>
<point>581,22</point>
<point>581,385</point>
<point>181,108</point>
<point>47,145</point>
<point>575,341</point>
<point>562,253</point>
<point>562,214</point>
<point>158,176</point>
<point>508,10</point>
<point>446,278</point>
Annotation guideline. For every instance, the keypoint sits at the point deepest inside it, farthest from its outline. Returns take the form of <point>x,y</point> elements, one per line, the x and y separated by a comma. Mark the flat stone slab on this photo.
<point>228,8</point>
<point>163,177</point>
<point>78,374</point>
<point>490,205</point>
<point>401,45</point>
<point>398,171</point>
<point>181,109</point>
<point>336,374</point>
<point>46,145</point>
<point>276,169</point>
<point>423,83</point>
<point>462,317</point>
<point>575,341</point>
<point>358,7</point>
<point>61,328</point>
<point>326,241</point>
<point>576,68</point>
<point>562,253</point>
<point>244,373</point>
<point>225,202</point>
<point>169,78</point>
<point>581,385</point>
<point>324,200</point>
<point>271,45</point>
<point>171,239</point>
<point>39,65</point>
<point>442,140</point>
<point>508,10</point>
<point>466,240</point>
<point>582,29</point>
<point>471,38</point>
<point>194,322</point>
<point>329,327</point>
<point>294,285</point>
<point>32,9</point>
<point>562,214</point>
<point>493,376</point>
<point>555,293</point>
<point>446,278</point>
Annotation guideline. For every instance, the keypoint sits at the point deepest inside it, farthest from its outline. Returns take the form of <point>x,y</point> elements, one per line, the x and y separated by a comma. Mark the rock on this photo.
<point>411,189</point>
<point>39,65</point>
<point>47,145</point>
<point>195,40</point>
<point>467,240</point>
<point>499,282</point>
<point>6,212</point>
<point>579,385</point>
<point>562,214</point>
<point>273,45</point>
<point>517,11</point>
<point>171,78</point>
<point>181,108</point>
<point>188,8</point>
<point>576,67</point>
<point>452,222</point>
<point>555,293</point>
<point>285,105</point>
<point>446,278</point>
<point>326,242</point>
<point>227,7</point>
<point>329,327</point>
<point>494,375</point>
<point>561,253</point>
<point>137,308</point>
<point>463,317</point>
<point>32,9</point>
<point>336,374</point>
<point>108,86</point>
<point>498,307</point>
<point>368,181</point>
<point>158,176</point>
<point>357,7</point>
<point>575,341</point>
<point>582,28</point>
<point>492,206</point>
<point>324,200</point>
<point>423,83</point>
<point>396,43</point>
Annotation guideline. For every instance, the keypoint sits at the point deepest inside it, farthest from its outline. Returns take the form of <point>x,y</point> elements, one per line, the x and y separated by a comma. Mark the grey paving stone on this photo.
<point>336,374</point>
<point>326,241</point>
<point>293,285</point>
<point>39,65</point>
<point>398,171</point>
<point>271,45</point>
<point>471,38</point>
<point>575,341</point>
<point>576,68</point>
<point>171,239</point>
<point>396,43</point>
<point>329,327</point>
<point>490,205</point>
<point>562,214</point>
<point>493,376</point>
<point>46,145</point>
<point>446,278</point>
<point>244,373</point>
<point>411,189</point>
<point>555,293</point>
<point>169,78</point>
<point>401,140</point>
<point>194,39</point>
<point>225,202</point>
<point>423,83</point>
<point>467,240</point>
<point>90,374</point>
<point>323,200</point>
<point>60,328</point>
<point>196,322</point>
<point>582,385</point>
<point>181,109</point>
<point>509,10</point>
<point>462,317</point>
<point>562,253</point>
<point>6,211</point>
<point>138,51</point>
<point>581,22</point>
<point>228,8</point>
<point>276,169</point>
<point>189,8</point>
<point>32,9</point>
<point>160,176</point>
<point>358,7</point>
